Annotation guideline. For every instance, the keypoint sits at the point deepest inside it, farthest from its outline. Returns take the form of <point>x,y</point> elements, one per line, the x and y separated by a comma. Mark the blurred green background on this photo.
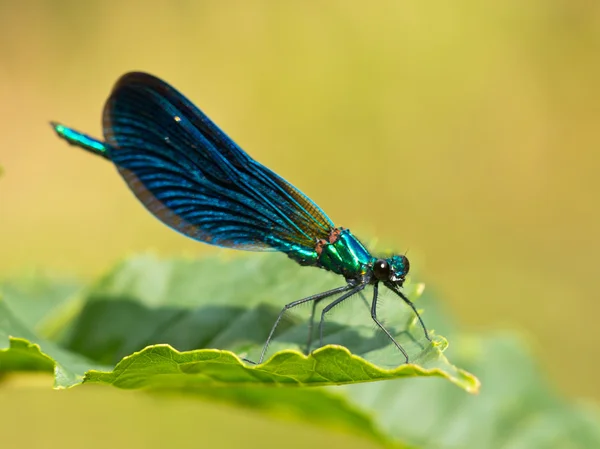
<point>466,132</point>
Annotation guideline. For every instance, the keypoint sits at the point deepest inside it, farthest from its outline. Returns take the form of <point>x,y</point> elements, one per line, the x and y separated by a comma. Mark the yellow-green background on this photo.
<point>466,131</point>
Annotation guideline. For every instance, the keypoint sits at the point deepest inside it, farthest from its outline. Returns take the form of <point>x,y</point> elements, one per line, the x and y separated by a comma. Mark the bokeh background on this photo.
<point>467,132</point>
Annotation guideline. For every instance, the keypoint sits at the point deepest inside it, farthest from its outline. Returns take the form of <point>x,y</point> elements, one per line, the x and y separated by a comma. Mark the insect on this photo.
<point>195,179</point>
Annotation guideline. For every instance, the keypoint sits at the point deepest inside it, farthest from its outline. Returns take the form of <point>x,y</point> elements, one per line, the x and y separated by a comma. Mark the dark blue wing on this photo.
<point>195,179</point>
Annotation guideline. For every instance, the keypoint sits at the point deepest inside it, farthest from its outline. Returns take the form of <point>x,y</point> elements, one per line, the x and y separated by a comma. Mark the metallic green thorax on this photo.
<point>346,256</point>
<point>343,254</point>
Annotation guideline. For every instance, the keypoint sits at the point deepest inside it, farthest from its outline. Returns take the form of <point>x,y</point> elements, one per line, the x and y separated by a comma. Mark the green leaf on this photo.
<point>35,297</point>
<point>231,305</point>
<point>515,409</point>
<point>20,350</point>
<point>144,301</point>
<point>162,366</point>
<point>24,356</point>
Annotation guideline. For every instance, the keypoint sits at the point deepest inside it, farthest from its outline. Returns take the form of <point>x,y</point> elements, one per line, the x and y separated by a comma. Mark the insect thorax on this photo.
<point>343,254</point>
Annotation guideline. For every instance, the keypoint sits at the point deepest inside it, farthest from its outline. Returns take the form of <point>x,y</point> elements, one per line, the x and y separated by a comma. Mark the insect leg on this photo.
<point>345,296</point>
<point>311,323</point>
<point>287,307</point>
<point>412,306</point>
<point>374,316</point>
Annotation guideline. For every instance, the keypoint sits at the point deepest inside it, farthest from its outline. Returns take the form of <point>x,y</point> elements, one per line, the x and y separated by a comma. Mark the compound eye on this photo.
<point>405,264</point>
<point>381,269</point>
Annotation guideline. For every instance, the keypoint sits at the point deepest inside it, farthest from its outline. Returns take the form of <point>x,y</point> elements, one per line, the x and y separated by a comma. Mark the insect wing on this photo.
<point>195,179</point>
